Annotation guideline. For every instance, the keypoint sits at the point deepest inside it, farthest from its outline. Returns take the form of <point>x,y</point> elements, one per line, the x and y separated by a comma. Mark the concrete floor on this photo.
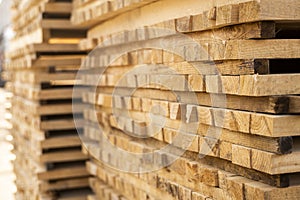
<point>7,187</point>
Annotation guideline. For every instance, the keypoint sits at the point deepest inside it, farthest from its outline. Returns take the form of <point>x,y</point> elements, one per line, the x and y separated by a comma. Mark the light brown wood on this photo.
<point>254,85</point>
<point>257,104</point>
<point>63,173</point>
<point>265,10</point>
<point>65,184</point>
<point>201,11</point>
<point>228,14</point>
<point>241,156</point>
<point>63,156</point>
<point>274,164</point>
<point>43,47</point>
<point>58,7</point>
<point>250,137</point>
<point>235,186</point>
<point>67,141</point>
<point>263,191</point>
<point>60,124</point>
<point>86,15</point>
<point>278,125</point>
<point>246,122</point>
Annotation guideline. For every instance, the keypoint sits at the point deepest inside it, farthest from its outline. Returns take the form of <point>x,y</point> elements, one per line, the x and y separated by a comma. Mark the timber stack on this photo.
<point>218,79</point>
<point>43,62</point>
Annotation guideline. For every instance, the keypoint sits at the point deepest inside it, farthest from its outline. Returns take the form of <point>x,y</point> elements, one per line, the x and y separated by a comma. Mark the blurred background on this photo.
<point>7,177</point>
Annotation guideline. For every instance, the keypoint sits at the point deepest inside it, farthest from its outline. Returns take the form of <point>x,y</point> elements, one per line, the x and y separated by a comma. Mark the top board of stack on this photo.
<point>218,79</point>
<point>42,62</point>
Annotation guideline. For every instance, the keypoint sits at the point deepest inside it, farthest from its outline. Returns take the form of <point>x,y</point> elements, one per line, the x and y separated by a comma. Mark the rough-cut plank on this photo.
<point>235,186</point>
<point>96,12</point>
<point>58,7</point>
<point>275,164</point>
<point>42,77</point>
<point>257,190</point>
<point>254,85</point>
<point>265,85</point>
<point>272,125</point>
<point>63,156</point>
<point>70,172</point>
<point>65,184</point>
<point>68,141</point>
<point>228,14</point>
<point>44,47</point>
<point>58,24</point>
<point>59,124</point>
<point>241,156</point>
<point>260,49</point>
<point>60,109</point>
<point>266,10</point>
<point>294,104</point>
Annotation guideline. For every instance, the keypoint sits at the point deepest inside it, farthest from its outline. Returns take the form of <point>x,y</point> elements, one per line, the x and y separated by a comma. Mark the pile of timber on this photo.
<point>6,102</point>
<point>247,98</point>
<point>43,60</point>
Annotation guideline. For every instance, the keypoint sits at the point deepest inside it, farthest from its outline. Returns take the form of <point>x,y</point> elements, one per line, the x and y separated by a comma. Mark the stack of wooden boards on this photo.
<point>43,60</point>
<point>247,108</point>
<point>6,104</point>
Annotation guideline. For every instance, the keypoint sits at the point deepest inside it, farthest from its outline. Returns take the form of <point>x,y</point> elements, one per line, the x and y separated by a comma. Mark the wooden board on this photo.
<point>261,11</point>
<point>64,184</point>
<point>63,156</point>
<point>70,172</point>
<point>94,12</point>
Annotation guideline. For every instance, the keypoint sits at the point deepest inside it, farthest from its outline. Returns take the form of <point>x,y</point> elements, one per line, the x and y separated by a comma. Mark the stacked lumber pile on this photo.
<point>42,63</point>
<point>238,104</point>
<point>6,120</point>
